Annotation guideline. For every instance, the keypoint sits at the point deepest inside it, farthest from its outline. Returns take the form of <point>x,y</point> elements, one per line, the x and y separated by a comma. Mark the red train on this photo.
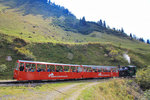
<point>33,70</point>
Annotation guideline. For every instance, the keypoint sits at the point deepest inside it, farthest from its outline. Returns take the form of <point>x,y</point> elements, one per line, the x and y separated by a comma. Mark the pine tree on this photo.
<point>148,42</point>
<point>104,24</point>
<point>131,36</point>
<point>100,22</point>
<point>122,30</point>
<point>141,39</point>
<point>83,21</point>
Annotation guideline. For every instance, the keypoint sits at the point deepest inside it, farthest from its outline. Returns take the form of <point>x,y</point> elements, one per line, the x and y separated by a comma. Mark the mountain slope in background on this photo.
<point>36,30</point>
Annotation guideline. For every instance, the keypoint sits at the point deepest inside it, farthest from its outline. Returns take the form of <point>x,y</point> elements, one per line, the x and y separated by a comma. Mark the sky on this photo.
<point>131,15</point>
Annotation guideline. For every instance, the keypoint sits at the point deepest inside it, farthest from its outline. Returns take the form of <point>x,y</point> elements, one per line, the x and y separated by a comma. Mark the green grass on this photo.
<point>18,92</point>
<point>111,90</point>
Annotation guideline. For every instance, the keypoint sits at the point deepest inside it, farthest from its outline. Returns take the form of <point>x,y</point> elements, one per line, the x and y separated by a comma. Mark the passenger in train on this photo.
<point>39,69</point>
<point>42,70</point>
<point>48,70</point>
<point>21,68</point>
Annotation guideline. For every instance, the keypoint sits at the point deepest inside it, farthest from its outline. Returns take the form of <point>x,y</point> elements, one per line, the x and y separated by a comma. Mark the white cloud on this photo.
<point>132,15</point>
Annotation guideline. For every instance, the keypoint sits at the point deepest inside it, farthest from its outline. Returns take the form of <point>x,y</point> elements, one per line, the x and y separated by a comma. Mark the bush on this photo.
<point>3,68</point>
<point>143,78</point>
<point>24,52</point>
<point>147,94</point>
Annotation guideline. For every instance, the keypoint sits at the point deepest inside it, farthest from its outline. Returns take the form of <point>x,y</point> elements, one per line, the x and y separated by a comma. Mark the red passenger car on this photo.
<point>33,70</point>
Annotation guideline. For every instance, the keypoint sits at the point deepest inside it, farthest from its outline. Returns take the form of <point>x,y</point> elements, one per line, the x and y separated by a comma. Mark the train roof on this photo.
<point>93,66</point>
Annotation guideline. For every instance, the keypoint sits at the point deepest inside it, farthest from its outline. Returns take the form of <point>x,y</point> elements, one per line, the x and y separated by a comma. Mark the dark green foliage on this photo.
<point>82,21</point>
<point>100,22</point>
<point>147,94</point>
<point>131,37</point>
<point>148,42</point>
<point>143,78</point>
<point>122,30</point>
<point>141,40</point>
<point>104,24</point>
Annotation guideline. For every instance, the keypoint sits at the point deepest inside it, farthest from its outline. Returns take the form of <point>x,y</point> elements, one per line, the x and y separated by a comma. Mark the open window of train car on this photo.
<point>85,69</point>
<point>73,69</point>
<point>106,70</point>
<point>59,68</point>
<point>94,69</point>
<point>79,69</point>
<point>21,66</point>
<point>29,67</point>
<point>41,68</point>
<point>88,69</point>
<point>66,68</point>
<point>114,70</point>
<point>100,69</point>
<point>50,68</point>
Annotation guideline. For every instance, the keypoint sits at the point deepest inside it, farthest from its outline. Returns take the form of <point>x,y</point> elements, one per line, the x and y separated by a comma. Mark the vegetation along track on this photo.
<point>35,83</point>
<point>58,90</point>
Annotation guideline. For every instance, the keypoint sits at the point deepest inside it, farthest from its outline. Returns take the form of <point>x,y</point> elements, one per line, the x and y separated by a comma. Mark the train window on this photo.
<point>66,68</point>
<point>41,68</point>
<point>89,69</point>
<point>30,67</point>
<point>21,67</point>
<point>113,70</point>
<point>79,69</point>
<point>106,70</point>
<point>73,69</point>
<point>94,69</point>
<point>85,69</point>
<point>50,68</point>
<point>59,69</point>
<point>100,70</point>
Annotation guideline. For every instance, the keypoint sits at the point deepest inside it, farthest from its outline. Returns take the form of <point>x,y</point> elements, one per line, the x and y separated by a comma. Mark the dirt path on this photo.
<point>75,95</point>
<point>54,94</point>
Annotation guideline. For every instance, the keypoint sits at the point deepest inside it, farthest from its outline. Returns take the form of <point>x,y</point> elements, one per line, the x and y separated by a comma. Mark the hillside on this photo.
<point>35,30</point>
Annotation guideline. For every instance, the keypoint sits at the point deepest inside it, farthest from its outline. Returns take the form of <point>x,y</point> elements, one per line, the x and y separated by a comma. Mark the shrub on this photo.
<point>24,52</point>
<point>3,68</point>
<point>143,78</point>
<point>147,94</point>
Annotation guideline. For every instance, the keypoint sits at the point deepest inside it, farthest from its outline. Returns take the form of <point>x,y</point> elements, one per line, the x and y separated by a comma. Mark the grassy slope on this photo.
<point>117,89</point>
<point>47,42</point>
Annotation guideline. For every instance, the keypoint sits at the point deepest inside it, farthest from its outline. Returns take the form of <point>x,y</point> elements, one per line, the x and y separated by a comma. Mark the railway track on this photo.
<point>35,83</point>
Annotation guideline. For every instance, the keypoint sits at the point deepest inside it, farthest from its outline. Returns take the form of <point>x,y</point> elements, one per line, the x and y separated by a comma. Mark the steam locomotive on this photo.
<point>127,71</point>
